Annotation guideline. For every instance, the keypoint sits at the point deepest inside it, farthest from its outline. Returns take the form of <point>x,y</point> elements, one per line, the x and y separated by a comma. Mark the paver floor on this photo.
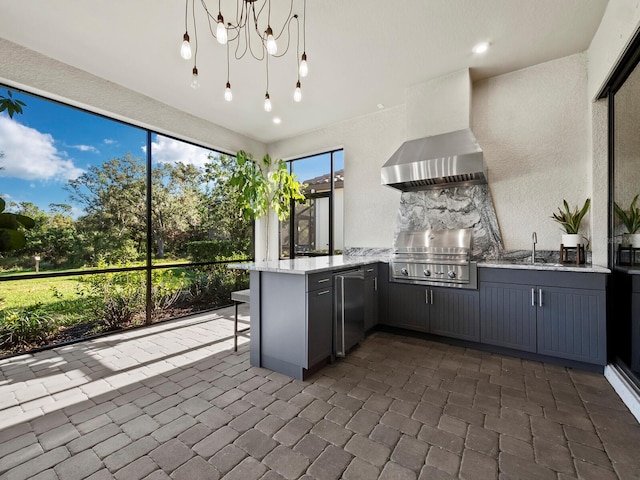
<point>175,401</point>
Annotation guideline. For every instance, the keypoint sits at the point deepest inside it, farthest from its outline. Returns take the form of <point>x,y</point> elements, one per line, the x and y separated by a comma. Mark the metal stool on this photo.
<point>238,297</point>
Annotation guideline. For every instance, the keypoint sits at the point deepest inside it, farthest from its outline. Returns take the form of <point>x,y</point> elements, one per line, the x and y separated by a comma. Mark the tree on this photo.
<point>220,206</point>
<point>114,198</point>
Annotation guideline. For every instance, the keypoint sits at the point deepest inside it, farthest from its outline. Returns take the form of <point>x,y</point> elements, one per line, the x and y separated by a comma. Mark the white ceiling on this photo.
<point>361,52</point>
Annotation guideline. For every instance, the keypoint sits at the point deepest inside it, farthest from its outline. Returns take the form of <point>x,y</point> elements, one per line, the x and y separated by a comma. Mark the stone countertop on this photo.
<point>635,270</point>
<point>560,267</point>
<point>304,265</point>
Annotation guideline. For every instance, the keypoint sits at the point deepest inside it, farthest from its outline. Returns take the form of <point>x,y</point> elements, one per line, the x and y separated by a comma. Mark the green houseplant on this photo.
<point>11,238</point>
<point>265,186</point>
<point>631,220</point>
<point>570,219</point>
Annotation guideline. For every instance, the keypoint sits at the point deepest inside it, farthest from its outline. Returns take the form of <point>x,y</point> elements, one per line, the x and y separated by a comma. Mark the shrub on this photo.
<point>24,328</point>
<point>212,250</point>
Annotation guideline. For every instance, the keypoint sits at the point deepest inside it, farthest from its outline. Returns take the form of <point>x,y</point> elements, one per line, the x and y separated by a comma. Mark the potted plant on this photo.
<point>570,221</point>
<point>264,187</point>
<point>631,221</point>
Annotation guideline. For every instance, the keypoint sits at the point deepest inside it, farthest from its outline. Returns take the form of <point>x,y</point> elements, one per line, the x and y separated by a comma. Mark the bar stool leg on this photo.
<point>235,330</point>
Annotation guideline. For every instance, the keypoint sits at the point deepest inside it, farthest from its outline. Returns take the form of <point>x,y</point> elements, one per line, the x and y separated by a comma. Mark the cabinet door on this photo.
<point>408,307</point>
<point>508,316</point>
<point>572,324</point>
<point>635,332</point>
<point>370,296</point>
<point>455,313</point>
<point>319,325</point>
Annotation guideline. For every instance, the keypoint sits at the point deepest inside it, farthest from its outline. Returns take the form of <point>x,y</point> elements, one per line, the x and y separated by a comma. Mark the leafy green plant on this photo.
<point>630,219</point>
<point>10,237</point>
<point>24,328</point>
<point>265,186</point>
<point>571,219</point>
<point>11,105</point>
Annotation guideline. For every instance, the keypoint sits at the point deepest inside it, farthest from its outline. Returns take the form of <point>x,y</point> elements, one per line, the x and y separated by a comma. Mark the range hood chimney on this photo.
<point>440,151</point>
<point>445,160</point>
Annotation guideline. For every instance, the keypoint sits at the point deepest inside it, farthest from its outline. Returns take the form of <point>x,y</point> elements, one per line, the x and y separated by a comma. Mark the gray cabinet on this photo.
<point>560,314</point>
<point>635,324</point>
<point>454,313</point>
<point>319,325</point>
<point>449,312</point>
<point>508,318</point>
<point>407,307</point>
<point>370,296</point>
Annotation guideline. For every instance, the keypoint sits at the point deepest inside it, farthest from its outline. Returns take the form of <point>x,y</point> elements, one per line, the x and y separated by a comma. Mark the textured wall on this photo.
<point>439,105</point>
<point>36,73</point>
<point>534,129</point>
<point>621,19</point>
<point>368,142</point>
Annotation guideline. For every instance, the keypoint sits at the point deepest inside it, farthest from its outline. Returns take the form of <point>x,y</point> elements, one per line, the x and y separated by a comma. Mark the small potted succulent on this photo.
<point>570,221</point>
<point>631,220</point>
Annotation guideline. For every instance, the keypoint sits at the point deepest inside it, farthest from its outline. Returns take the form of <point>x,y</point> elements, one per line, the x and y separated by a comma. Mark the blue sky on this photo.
<point>50,144</point>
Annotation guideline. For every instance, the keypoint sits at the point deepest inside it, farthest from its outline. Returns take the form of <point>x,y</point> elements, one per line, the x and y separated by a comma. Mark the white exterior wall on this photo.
<point>533,126</point>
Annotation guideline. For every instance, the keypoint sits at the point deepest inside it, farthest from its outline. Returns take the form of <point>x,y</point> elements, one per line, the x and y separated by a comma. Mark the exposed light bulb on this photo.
<point>194,79</point>
<point>185,49</point>
<point>304,67</point>
<point>297,93</point>
<point>272,46</point>
<point>221,31</point>
<point>228,96</point>
<point>267,103</point>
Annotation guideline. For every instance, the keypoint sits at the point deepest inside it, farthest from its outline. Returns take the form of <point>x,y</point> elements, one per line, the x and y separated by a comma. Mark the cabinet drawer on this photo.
<point>322,280</point>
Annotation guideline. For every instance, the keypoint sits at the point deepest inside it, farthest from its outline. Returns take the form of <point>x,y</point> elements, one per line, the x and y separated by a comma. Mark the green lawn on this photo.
<point>42,291</point>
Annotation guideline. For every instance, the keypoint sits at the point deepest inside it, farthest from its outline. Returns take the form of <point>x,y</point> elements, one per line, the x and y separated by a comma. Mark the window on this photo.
<point>131,227</point>
<point>316,226</point>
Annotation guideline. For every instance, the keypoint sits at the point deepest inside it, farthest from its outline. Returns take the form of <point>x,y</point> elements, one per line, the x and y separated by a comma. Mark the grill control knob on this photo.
<point>427,273</point>
<point>404,271</point>
<point>451,274</point>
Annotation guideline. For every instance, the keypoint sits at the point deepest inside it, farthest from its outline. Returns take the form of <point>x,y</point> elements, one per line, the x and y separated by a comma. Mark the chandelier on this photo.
<point>248,35</point>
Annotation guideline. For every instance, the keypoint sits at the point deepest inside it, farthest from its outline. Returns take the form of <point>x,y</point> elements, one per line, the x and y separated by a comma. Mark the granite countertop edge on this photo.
<point>306,265</point>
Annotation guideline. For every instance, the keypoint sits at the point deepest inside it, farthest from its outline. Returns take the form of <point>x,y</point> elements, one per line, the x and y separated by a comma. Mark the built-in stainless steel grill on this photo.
<point>434,257</point>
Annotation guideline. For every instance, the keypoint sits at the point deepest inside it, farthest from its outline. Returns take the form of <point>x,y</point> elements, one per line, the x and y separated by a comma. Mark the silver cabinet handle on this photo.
<point>324,280</point>
<point>426,296</point>
<point>324,292</point>
<point>533,297</point>
<point>431,291</point>
<point>539,297</point>
<point>375,283</point>
<point>370,269</point>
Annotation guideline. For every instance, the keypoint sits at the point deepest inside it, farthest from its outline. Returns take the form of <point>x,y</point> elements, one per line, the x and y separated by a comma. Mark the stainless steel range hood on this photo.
<point>447,160</point>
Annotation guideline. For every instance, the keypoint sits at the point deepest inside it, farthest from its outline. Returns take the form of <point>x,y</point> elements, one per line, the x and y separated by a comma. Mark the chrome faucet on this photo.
<point>534,240</point>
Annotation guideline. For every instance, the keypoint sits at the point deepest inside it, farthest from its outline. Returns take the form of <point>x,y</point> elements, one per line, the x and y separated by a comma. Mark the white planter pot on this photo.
<point>570,239</point>
<point>631,240</point>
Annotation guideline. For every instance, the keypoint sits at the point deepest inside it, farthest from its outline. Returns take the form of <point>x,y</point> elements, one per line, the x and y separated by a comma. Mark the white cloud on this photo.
<point>168,150</point>
<point>31,155</point>
<point>109,141</point>
<point>86,148</point>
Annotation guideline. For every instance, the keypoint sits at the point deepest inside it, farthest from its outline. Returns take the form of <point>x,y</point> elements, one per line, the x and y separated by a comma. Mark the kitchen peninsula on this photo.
<point>554,312</point>
<point>292,309</point>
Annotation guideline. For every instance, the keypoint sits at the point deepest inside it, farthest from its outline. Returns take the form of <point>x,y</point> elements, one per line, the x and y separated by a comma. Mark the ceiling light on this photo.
<point>253,33</point>
<point>297,93</point>
<point>380,106</point>
<point>480,47</point>
<point>194,79</point>
<point>267,103</point>
<point>277,120</point>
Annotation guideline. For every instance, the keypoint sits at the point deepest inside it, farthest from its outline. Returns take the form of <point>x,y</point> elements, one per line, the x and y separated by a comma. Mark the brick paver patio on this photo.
<point>175,401</point>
